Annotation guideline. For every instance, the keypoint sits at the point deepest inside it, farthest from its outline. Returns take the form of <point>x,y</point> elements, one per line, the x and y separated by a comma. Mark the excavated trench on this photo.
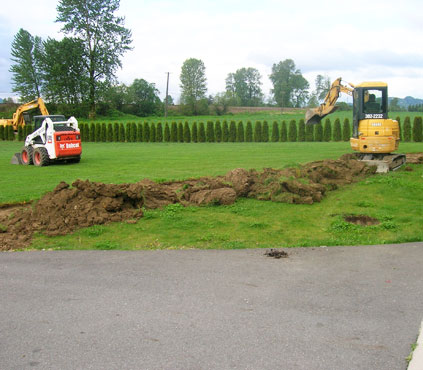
<point>85,203</point>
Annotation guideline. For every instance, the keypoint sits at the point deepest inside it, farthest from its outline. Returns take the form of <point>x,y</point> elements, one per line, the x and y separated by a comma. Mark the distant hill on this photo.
<point>407,101</point>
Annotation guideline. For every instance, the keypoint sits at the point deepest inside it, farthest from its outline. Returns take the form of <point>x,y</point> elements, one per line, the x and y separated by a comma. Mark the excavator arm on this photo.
<point>315,115</point>
<point>18,118</point>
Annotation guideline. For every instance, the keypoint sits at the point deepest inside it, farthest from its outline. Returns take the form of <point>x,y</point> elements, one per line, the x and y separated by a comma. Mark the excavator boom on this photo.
<point>18,117</point>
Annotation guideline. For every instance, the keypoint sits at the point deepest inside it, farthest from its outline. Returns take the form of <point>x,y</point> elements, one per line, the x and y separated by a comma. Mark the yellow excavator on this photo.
<point>374,136</point>
<point>19,117</point>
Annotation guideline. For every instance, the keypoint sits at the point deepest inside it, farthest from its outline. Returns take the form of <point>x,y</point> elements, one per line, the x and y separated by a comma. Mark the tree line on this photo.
<point>221,132</point>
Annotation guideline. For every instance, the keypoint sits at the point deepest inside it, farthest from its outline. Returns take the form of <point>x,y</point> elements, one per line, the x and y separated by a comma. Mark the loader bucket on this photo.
<point>16,159</point>
<point>315,115</point>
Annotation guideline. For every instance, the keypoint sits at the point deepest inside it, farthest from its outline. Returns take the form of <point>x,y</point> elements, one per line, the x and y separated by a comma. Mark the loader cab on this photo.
<point>38,120</point>
<point>370,101</point>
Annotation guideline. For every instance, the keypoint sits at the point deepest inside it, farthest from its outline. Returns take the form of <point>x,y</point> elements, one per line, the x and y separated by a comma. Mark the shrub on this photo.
<point>1,132</point>
<point>275,132</point>
<point>257,132</point>
<point>309,131</point>
<point>265,132</point>
<point>417,129</point>
<point>218,132</point>
<point>116,132</point>
<point>210,132</point>
<point>187,133</point>
<point>139,132</point>
<point>153,133</point>
<point>166,135</point>
<point>346,130</point>
<point>98,132</point>
<point>109,132</point>
<point>240,138</point>
<point>103,132</point>
<point>159,133</point>
<point>327,131</point>
<point>225,132</point>
<point>284,132</point>
<point>146,132</point>
<point>194,133</point>
<point>249,132</point>
<point>20,133</point>
<point>232,132</point>
<point>128,129</point>
<point>337,134</point>
<point>122,132</point>
<point>201,133</point>
<point>318,132</point>
<point>29,129</point>
<point>180,132</point>
<point>92,132</point>
<point>173,132</point>
<point>292,133</point>
<point>407,129</point>
<point>302,131</point>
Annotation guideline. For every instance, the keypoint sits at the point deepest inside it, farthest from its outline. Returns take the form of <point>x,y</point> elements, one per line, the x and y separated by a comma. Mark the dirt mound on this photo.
<point>414,158</point>
<point>362,220</point>
<point>86,203</point>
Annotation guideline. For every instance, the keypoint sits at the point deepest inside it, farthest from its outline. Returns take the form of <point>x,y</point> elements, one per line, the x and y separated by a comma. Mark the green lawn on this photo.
<point>396,199</point>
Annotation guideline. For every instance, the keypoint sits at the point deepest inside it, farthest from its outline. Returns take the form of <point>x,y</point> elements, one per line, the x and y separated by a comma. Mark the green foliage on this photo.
<point>187,133</point>
<point>98,132</point>
<point>173,132</point>
<point>103,134</point>
<point>1,132</point>
<point>337,133</point>
<point>92,132</point>
<point>318,132</point>
<point>139,132</point>
<point>146,132</point>
<point>284,132</point>
<point>128,133</point>
<point>210,132</point>
<point>20,133</point>
<point>10,133</point>
<point>194,133</point>
<point>309,133</point>
<point>244,87</point>
<point>249,132</point>
<point>232,132</point>
<point>301,131</point>
<point>407,129</point>
<point>109,135</point>
<point>180,132</point>
<point>257,132</point>
<point>240,136</point>
<point>159,132</point>
<point>201,133</point>
<point>327,131</point>
<point>292,132</point>
<point>152,133</point>
<point>166,135</point>
<point>275,132</point>
<point>122,133</point>
<point>218,131</point>
<point>225,132</point>
<point>417,129</point>
<point>193,84</point>
<point>346,130</point>
<point>265,132</point>
<point>143,98</point>
<point>116,132</point>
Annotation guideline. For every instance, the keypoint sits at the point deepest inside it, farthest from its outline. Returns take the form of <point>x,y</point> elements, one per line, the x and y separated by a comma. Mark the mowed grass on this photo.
<point>396,199</point>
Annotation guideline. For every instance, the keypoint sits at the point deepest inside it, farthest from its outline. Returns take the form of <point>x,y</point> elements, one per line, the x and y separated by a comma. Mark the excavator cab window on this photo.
<point>374,102</point>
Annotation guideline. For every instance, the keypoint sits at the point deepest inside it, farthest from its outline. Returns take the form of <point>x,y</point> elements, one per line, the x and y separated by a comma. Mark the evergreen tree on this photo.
<point>327,130</point>
<point>240,138</point>
<point>309,131</point>
<point>249,132</point>
<point>153,133</point>
<point>1,132</point>
<point>417,130</point>
<point>407,129</point>
<point>128,132</point>
<point>109,132</point>
<point>210,132</point>
<point>218,132</point>
<point>225,132</point>
<point>194,133</point>
<point>146,132</point>
<point>166,135</point>
<point>265,132</point>
<point>10,133</point>
<point>122,131</point>
<point>292,133</point>
<point>232,132</point>
<point>139,132</point>
<point>302,131</point>
<point>29,129</point>
<point>284,132</point>
<point>92,132</point>
<point>201,133</point>
<point>180,132</point>
<point>20,133</point>
<point>318,132</point>
<point>98,132</point>
<point>275,132</point>
<point>346,130</point>
<point>116,132</point>
<point>257,132</point>
<point>173,132</point>
<point>103,132</point>
<point>159,133</point>
<point>337,134</point>
<point>187,133</point>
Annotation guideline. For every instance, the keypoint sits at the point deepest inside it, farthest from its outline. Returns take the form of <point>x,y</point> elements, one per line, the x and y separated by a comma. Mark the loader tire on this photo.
<point>27,155</point>
<point>40,157</point>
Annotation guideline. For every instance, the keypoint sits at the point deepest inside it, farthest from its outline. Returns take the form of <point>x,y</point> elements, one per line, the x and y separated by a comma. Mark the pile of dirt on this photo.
<point>362,220</point>
<point>414,158</point>
<point>86,203</point>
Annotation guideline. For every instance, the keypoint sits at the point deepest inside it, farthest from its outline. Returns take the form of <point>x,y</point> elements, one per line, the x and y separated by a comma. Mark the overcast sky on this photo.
<point>359,40</point>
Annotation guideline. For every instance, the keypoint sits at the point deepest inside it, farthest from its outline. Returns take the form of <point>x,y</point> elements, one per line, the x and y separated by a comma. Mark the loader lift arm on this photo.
<point>315,115</point>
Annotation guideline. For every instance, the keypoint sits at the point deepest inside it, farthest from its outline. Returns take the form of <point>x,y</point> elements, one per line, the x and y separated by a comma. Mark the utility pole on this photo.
<point>167,90</point>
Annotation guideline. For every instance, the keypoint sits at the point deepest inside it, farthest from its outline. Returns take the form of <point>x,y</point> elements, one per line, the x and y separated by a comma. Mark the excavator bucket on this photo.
<point>315,115</point>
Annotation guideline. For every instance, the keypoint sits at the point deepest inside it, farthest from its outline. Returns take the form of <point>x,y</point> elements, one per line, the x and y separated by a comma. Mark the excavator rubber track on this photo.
<point>383,162</point>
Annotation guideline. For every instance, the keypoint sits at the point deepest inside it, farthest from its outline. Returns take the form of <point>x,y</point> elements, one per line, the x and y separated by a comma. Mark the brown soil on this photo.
<point>362,220</point>
<point>275,253</point>
<point>86,203</point>
<point>414,158</point>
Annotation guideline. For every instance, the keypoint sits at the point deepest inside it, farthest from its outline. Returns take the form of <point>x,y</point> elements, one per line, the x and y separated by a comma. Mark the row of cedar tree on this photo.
<point>219,132</point>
